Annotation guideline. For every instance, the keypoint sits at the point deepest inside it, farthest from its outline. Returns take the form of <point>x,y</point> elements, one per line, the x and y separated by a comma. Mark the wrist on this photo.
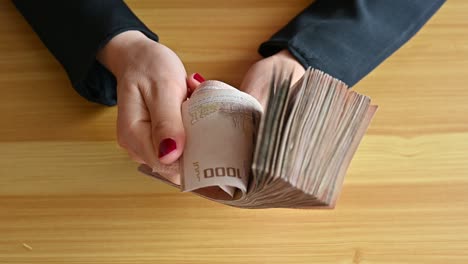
<point>116,53</point>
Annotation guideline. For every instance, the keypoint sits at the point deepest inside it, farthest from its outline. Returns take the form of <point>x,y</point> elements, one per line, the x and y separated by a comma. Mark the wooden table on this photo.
<point>68,194</point>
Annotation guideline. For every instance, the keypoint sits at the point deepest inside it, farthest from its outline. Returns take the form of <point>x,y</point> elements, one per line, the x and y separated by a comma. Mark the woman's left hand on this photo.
<point>257,79</point>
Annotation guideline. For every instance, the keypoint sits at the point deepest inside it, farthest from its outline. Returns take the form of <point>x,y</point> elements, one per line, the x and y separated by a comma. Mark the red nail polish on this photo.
<point>166,146</point>
<point>198,77</point>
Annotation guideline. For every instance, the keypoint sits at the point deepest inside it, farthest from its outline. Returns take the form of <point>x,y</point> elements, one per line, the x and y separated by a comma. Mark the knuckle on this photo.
<point>159,125</point>
<point>122,142</point>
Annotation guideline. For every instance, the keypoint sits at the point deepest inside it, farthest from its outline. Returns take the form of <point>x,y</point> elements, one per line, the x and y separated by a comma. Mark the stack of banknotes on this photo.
<point>292,154</point>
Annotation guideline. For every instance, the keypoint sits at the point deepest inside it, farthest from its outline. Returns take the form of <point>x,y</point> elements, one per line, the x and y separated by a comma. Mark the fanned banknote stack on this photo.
<point>293,154</point>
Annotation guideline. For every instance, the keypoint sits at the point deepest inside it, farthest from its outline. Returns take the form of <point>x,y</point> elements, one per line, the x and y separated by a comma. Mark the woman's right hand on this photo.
<point>151,86</point>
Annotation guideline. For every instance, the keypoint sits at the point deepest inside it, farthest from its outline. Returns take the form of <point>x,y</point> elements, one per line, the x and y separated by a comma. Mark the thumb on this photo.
<point>193,81</point>
<point>167,130</point>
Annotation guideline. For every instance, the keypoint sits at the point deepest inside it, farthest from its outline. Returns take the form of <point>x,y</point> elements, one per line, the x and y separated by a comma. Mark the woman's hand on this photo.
<point>257,79</point>
<point>151,86</point>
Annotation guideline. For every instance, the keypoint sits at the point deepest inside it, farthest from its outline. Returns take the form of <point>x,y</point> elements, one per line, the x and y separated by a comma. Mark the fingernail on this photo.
<point>166,146</point>
<point>198,77</point>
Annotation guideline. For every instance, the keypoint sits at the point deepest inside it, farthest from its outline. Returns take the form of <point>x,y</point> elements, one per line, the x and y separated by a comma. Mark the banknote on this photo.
<point>220,125</point>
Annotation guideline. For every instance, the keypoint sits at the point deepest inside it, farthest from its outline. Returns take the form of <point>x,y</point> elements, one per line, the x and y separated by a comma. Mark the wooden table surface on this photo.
<point>70,194</point>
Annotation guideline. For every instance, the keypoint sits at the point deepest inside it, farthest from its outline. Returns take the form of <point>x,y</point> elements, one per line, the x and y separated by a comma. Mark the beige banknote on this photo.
<point>221,124</point>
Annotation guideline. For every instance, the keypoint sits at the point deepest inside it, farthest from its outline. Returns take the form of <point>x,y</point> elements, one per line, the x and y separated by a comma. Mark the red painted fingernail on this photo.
<point>166,146</point>
<point>198,77</point>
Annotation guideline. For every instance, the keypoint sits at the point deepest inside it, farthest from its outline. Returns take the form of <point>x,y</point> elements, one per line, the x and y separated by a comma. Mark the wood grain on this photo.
<point>68,192</point>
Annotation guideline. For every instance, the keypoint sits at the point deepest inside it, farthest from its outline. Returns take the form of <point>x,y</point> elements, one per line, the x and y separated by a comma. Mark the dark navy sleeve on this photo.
<point>74,31</point>
<point>349,38</point>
